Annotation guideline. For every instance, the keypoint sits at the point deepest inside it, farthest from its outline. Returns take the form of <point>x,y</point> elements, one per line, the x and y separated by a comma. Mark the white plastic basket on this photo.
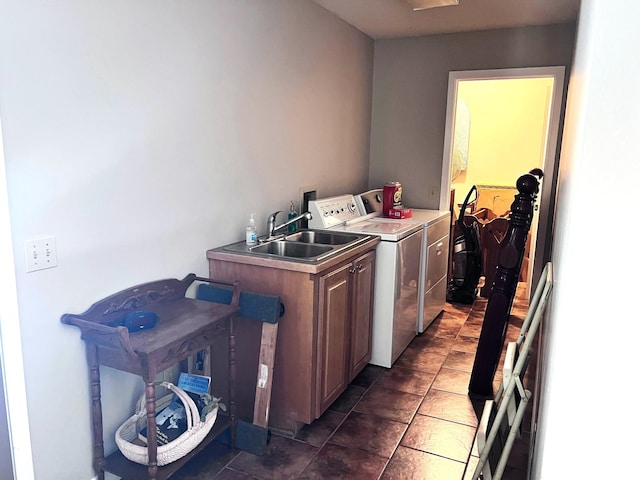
<point>174,450</point>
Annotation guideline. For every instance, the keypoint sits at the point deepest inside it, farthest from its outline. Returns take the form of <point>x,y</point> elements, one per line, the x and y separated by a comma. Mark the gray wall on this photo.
<point>410,84</point>
<point>142,133</point>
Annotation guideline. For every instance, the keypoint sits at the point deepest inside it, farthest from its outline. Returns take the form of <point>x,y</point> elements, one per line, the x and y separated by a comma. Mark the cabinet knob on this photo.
<point>352,270</point>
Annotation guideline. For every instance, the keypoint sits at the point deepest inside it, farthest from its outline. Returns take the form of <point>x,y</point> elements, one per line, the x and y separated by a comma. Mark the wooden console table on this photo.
<point>185,326</point>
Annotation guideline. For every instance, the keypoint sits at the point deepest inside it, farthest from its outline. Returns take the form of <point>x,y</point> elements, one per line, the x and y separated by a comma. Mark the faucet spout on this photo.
<point>271,222</point>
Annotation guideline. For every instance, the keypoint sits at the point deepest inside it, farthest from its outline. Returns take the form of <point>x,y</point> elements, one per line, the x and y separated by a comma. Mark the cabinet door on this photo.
<point>333,324</point>
<point>361,313</point>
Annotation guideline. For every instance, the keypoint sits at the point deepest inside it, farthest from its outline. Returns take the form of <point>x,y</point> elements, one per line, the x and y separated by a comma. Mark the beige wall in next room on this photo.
<point>508,120</point>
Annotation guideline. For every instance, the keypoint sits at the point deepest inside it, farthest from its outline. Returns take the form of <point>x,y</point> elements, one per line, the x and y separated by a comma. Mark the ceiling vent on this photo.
<point>424,4</point>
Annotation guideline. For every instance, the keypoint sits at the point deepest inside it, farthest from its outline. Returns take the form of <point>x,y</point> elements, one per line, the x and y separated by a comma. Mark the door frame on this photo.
<point>541,238</point>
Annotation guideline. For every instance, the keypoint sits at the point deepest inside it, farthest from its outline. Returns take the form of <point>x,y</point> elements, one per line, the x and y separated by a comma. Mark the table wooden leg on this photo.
<point>232,382</point>
<point>96,410</point>
<point>152,441</point>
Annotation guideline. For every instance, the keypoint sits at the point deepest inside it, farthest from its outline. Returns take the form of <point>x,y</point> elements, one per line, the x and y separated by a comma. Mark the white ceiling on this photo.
<point>395,18</point>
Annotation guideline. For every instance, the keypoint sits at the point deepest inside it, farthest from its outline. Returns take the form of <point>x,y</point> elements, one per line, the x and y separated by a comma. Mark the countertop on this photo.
<point>220,253</point>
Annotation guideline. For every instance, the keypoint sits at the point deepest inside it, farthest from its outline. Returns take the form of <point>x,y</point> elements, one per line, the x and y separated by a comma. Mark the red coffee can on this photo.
<point>391,197</point>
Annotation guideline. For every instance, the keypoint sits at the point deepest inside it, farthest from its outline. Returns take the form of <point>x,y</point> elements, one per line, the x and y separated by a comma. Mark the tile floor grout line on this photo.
<point>336,428</point>
<point>415,413</point>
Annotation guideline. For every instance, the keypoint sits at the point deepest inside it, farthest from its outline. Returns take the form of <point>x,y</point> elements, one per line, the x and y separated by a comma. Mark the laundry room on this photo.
<point>137,140</point>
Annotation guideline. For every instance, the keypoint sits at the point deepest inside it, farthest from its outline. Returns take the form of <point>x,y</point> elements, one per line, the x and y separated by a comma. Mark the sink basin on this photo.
<point>306,246</point>
<point>285,248</point>
<point>323,238</point>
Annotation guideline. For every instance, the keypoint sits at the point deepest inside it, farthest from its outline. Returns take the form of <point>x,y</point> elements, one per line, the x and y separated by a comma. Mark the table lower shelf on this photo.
<point>119,465</point>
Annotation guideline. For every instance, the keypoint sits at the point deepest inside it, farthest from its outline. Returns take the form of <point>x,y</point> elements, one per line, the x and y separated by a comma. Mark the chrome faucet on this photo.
<point>271,222</point>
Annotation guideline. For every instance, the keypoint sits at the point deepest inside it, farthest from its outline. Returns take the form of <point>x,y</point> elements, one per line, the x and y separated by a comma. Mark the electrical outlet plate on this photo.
<point>307,193</point>
<point>40,254</point>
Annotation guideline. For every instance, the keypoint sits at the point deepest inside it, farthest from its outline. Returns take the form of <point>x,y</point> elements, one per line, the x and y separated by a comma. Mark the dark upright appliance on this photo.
<point>467,258</point>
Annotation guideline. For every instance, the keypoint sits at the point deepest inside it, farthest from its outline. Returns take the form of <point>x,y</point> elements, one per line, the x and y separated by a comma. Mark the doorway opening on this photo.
<point>501,124</point>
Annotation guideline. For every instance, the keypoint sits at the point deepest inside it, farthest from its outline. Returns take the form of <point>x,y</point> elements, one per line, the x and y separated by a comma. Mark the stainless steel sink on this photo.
<point>323,238</point>
<point>308,246</point>
<point>285,248</point>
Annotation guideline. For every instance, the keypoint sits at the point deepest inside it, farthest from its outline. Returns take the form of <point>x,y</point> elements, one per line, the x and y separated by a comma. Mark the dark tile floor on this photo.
<point>412,421</point>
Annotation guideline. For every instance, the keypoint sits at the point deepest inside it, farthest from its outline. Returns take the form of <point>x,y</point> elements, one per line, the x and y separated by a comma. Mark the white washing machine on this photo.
<point>397,271</point>
<point>434,257</point>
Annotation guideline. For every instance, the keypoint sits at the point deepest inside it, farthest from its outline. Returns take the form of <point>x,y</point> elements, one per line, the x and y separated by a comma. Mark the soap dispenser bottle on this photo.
<point>292,214</point>
<point>252,237</point>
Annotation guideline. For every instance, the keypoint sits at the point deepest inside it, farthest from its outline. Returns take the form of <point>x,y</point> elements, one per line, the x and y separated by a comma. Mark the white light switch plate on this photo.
<point>40,254</point>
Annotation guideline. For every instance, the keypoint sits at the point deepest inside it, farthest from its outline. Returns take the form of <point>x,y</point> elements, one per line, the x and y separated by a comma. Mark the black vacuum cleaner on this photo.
<point>466,259</point>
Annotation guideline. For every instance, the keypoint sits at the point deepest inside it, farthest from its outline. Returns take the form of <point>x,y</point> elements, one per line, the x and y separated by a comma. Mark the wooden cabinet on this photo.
<point>345,307</point>
<point>324,335</point>
<point>333,336</point>
<point>361,314</point>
